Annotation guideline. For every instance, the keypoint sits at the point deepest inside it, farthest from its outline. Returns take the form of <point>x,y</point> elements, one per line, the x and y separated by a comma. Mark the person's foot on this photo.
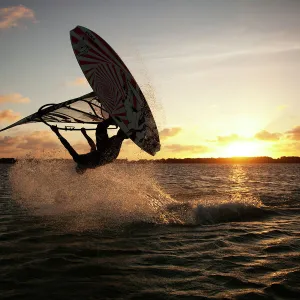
<point>122,134</point>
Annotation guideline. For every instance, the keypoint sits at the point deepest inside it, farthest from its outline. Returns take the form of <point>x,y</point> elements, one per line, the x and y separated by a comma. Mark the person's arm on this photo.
<point>90,141</point>
<point>66,144</point>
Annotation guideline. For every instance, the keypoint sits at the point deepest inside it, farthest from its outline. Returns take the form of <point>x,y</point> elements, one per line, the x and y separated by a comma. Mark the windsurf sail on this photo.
<point>86,109</point>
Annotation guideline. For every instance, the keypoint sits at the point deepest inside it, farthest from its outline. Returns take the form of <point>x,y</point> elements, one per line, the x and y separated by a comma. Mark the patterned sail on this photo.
<point>86,109</point>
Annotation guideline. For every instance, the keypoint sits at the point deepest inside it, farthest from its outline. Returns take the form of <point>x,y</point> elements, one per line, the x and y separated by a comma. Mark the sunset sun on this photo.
<point>243,149</point>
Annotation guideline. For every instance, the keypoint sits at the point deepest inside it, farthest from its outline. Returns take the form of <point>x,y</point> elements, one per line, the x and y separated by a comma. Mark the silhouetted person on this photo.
<point>105,151</point>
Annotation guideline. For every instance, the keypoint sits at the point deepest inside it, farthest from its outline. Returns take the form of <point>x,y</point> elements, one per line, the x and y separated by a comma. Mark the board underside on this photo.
<point>116,88</point>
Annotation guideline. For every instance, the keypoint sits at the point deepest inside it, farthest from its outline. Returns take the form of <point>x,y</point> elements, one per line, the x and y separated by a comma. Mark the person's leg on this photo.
<point>90,141</point>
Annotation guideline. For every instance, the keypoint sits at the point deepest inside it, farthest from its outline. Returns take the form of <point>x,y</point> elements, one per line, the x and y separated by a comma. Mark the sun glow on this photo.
<point>243,149</point>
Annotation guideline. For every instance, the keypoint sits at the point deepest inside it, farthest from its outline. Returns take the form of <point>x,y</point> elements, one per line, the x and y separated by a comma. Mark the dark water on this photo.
<point>150,232</point>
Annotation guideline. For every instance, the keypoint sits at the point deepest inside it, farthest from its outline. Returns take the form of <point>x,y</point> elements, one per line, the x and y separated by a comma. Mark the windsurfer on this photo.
<point>105,151</point>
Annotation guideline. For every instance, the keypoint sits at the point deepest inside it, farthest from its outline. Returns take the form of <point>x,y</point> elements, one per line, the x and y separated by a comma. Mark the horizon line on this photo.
<point>262,159</point>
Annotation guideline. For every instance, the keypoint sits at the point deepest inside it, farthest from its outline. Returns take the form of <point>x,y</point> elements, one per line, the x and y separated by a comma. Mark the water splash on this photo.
<point>109,196</point>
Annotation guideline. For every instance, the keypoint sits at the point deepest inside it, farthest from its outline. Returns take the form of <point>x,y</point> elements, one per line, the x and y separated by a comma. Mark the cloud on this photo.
<point>169,132</point>
<point>185,148</point>
<point>9,116</point>
<point>38,140</point>
<point>79,81</point>
<point>14,15</point>
<point>228,139</point>
<point>35,142</point>
<point>267,136</point>
<point>13,98</point>
<point>294,134</point>
<point>8,141</point>
<point>286,149</point>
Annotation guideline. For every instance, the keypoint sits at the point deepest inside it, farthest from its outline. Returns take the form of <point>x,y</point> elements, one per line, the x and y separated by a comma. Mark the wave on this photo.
<point>195,213</point>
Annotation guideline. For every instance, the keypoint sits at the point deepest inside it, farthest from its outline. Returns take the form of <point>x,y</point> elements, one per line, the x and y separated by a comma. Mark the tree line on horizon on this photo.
<point>219,160</point>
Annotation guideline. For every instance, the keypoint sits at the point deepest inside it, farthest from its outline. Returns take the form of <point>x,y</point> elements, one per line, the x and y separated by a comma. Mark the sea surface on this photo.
<point>149,231</point>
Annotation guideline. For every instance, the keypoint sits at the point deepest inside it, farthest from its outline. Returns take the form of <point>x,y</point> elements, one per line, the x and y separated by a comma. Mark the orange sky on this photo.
<point>221,79</point>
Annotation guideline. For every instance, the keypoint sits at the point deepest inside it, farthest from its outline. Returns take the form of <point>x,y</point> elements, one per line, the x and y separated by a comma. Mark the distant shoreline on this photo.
<point>220,160</point>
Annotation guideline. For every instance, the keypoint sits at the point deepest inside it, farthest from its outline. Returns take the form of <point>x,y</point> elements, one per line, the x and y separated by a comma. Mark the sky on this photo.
<point>221,76</point>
